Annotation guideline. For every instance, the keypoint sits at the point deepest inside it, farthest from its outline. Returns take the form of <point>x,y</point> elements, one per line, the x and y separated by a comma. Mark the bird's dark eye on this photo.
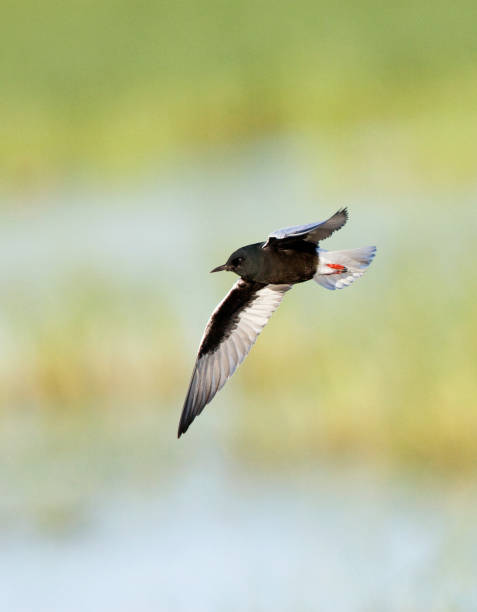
<point>237,261</point>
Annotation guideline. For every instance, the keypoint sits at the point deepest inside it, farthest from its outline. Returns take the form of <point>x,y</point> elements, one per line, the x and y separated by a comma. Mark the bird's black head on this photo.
<point>243,261</point>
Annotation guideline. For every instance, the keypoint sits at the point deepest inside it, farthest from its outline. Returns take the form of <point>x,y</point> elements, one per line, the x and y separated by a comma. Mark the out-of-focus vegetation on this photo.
<point>384,370</point>
<point>91,341</point>
<point>112,86</point>
<point>396,386</point>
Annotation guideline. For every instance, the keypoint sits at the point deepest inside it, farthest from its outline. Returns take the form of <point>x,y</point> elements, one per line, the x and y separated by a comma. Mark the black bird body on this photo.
<point>271,265</point>
<point>267,270</point>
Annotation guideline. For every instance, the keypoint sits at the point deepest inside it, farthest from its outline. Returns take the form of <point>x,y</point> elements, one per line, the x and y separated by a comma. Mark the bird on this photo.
<point>266,270</point>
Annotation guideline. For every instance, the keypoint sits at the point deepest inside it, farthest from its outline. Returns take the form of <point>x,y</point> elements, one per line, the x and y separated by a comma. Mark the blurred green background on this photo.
<point>141,143</point>
<point>105,87</point>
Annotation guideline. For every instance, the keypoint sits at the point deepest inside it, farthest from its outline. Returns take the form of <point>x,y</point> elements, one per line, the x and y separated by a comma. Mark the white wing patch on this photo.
<point>355,262</point>
<point>213,369</point>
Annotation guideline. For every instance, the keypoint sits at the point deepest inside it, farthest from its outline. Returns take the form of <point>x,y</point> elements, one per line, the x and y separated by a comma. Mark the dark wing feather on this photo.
<point>313,232</point>
<point>230,334</point>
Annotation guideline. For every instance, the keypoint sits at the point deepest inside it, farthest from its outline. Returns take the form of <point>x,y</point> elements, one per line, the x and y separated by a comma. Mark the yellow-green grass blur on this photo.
<point>108,88</point>
<point>384,371</point>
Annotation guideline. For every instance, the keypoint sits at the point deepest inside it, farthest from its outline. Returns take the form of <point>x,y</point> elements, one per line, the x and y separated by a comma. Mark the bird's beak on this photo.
<point>220,268</point>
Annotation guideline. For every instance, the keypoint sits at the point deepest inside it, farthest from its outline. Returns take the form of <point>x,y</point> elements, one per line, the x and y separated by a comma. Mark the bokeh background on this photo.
<point>141,143</point>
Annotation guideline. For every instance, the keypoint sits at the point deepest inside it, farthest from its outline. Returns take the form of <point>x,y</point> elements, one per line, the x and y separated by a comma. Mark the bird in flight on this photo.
<point>267,270</point>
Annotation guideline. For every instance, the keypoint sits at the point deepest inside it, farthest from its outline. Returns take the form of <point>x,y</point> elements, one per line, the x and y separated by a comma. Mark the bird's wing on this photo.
<point>313,232</point>
<point>230,334</point>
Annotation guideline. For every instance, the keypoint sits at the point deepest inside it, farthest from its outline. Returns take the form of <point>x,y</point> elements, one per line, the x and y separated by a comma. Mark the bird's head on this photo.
<point>241,262</point>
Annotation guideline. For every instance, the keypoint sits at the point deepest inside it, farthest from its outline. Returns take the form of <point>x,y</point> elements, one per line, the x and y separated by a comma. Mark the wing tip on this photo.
<point>184,425</point>
<point>187,415</point>
<point>343,211</point>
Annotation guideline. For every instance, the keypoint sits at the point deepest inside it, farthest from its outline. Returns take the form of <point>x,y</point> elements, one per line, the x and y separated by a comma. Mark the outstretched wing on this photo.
<point>313,232</point>
<point>230,334</point>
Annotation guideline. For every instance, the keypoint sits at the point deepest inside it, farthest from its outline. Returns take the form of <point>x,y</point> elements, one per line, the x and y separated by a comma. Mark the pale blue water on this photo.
<point>217,538</point>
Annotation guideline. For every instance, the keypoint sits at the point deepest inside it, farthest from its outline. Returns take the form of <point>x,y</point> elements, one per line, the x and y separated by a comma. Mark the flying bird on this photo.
<point>267,270</point>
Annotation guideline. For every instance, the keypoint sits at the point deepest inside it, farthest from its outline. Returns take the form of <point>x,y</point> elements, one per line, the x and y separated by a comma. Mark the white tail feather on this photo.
<point>354,262</point>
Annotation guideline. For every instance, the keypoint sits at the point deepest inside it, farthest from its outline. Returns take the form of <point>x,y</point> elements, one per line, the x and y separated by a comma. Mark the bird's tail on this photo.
<point>338,269</point>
